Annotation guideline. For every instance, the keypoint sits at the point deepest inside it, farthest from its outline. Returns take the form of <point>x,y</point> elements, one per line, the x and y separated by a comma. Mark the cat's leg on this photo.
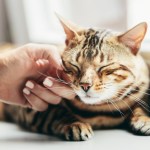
<point>70,128</point>
<point>140,121</point>
<point>56,120</point>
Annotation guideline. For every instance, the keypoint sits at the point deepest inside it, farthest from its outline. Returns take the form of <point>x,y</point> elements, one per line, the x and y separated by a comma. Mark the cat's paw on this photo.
<point>141,125</point>
<point>78,131</point>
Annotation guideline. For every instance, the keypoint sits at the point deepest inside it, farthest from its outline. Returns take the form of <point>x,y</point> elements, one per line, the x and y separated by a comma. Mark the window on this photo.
<point>139,11</point>
<point>36,20</point>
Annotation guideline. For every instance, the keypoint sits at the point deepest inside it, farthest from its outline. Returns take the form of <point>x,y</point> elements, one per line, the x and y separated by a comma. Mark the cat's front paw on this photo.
<point>141,125</point>
<point>78,131</point>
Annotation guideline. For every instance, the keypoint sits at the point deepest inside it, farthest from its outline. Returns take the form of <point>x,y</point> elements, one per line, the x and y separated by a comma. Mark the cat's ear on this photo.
<point>134,37</point>
<point>69,28</point>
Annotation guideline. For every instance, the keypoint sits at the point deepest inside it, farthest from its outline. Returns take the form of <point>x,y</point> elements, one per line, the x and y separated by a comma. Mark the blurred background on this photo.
<point>23,21</point>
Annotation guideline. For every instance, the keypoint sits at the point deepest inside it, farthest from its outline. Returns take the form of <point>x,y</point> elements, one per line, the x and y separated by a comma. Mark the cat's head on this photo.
<point>100,63</point>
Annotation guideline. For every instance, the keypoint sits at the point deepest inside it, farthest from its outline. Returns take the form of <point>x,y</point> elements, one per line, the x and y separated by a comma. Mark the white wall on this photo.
<point>35,21</point>
<point>139,11</point>
<point>17,22</point>
<point>100,13</point>
<point>4,32</point>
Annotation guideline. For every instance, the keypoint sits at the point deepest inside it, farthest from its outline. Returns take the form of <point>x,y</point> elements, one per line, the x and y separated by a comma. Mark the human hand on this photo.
<point>53,93</point>
<point>26,63</point>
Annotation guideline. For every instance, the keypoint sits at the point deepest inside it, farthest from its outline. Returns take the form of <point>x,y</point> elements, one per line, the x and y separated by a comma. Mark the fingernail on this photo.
<point>26,91</point>
<point>30,85</point>
<point>48,82</point>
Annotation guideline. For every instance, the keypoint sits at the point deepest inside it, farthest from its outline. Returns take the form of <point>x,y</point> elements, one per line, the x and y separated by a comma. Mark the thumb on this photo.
<point>47,52</point>
<point>40,70</point>
<point>42,66</point>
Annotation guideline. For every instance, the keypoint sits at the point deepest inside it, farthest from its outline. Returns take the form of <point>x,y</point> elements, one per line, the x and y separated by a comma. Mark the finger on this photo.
<point>35,102</point>
<point>42,63</point>
<point>59,88</point>
<point>43,93</point>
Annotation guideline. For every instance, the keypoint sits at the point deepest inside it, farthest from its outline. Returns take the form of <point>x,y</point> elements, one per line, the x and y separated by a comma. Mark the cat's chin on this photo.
<point>92,100</point>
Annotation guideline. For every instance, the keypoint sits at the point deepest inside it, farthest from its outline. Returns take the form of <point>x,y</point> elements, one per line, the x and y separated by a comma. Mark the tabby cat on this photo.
<point>110,79</point>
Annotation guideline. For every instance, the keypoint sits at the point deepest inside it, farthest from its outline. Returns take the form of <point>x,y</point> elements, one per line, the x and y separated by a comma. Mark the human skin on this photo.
<point>26,70</point>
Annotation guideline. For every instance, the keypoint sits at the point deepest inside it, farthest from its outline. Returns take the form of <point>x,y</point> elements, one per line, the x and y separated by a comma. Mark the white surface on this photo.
<point>13,138</point>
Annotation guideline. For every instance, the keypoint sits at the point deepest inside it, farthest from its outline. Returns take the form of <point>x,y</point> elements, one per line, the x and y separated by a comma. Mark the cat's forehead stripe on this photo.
<point>106,33</point>
<point>93,42</point>
<point>101,57</point>
<point>92,38</point>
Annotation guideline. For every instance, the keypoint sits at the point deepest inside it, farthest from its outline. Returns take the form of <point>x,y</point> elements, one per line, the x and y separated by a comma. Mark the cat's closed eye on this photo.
<point>109,72</point>
<point>106,72</point>
<point>68,72</point>
<point>103,69</point>
<point>71,68</point>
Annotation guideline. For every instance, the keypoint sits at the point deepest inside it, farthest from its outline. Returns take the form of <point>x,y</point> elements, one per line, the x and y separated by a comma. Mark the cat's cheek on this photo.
<point>106,93</point>
<point>79,93</point>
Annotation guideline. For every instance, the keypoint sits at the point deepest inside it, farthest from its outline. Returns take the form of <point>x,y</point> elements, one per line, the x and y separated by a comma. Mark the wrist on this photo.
<point>3,73</point>
<point>6,63</point>
<point>3,65</point>
<point>5,60</point>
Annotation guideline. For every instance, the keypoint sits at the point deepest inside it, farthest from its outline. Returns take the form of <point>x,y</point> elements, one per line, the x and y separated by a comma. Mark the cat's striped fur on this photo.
<point>114,72</point>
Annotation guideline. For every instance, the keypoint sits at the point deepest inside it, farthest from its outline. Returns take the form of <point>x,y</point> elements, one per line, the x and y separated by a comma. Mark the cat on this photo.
<point>110,79</point>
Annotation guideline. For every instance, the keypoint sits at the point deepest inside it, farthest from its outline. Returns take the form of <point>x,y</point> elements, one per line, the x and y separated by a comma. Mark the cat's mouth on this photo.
<point>88,96</point>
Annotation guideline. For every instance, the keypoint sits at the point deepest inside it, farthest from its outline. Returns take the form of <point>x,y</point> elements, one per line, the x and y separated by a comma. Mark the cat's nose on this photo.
<point>85,86</point>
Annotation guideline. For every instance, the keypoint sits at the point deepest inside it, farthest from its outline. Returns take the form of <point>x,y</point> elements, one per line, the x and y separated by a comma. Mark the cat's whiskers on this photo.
<point>109,105</point>
<point>141,92</point>
<point>125,102</point>
<point>61,81</point>
<point>42,74</point>
<point>139,101</point>
<point>117,108</point>
<point>134,97</point>
<point>108,100</point>
<point>132,88</point>
<point>127,106</point>
<point>138,91</point>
